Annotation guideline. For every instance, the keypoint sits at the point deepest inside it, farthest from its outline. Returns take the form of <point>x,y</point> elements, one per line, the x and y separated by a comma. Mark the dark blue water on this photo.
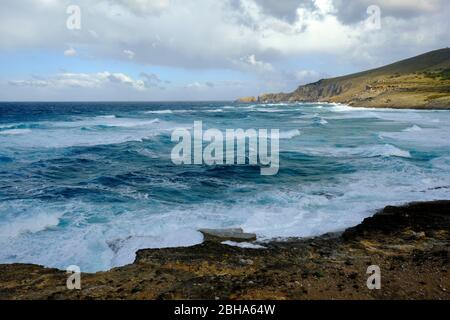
<point>90,183</point>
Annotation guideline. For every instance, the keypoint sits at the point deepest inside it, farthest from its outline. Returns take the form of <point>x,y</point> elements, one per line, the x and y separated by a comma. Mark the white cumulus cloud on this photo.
<point>70,52</point>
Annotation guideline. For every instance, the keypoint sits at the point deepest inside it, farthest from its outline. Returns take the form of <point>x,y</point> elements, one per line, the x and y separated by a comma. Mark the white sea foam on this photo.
<point>290,134</point>
<point>86,132</point>
<point>39,221</point>
<point>269,110</point>
<point>129,123</point>
<point>124,250</point>
<point>159,111</point>
<point>322,121</point>
<point>171,111</point>
<point>414,128</point>
<point>306,209</point>
<point>111,116</point>
<point>13,132</point>
<point>425,138</point>
<point>385,150</point>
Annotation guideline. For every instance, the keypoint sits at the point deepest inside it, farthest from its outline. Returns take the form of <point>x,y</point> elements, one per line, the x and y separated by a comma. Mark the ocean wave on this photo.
<point>110,116</point>
<point>29,224</point>
<point>130,123</point>
<point>279,104</point>
<point>89,132</point>
<point>269,110</point>
<point>303,209</point>
<point>321,121</point>
<point>290,134</point>
<point>345,108</point>
<point>168,111</point>
<point>125,249</point>
<point>14,132</point>
<point>95,207</point>
<point>414,128</point>
<point>425,138</point>
<point>370,151</point>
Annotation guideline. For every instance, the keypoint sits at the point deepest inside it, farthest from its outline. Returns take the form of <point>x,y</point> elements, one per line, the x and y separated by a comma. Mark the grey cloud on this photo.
<point>152,80</point>
<point>285,9</point>
<point>28,83</point>
<point>81,80</point>
<point>204,34</point>
<point>280,9</point>
<point>357,10</point>
<point>143,7</point>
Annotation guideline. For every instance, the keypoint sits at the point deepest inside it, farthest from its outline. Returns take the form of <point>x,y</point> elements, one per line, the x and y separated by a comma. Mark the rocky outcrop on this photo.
<point>248,100</point>
<point>409,243</point>
<point>221,235</point>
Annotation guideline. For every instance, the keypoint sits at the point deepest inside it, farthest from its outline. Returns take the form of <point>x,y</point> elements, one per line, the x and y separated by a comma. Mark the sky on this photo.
<point>173,50</point>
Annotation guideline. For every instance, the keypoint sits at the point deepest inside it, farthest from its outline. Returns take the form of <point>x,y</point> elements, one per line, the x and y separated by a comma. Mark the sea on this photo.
<point>90,183</point>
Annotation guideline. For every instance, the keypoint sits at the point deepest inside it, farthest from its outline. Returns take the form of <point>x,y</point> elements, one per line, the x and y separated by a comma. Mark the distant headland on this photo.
<point>421,82</point>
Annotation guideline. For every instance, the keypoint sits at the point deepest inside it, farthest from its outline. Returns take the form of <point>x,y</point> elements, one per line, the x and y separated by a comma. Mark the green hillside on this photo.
<point>421,82</point>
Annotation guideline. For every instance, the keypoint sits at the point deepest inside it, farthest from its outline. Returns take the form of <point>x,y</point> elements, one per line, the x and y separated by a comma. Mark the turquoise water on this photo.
<point>90,183</point>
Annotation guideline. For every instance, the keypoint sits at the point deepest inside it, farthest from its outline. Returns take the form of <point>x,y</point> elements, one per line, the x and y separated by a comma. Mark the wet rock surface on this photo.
<point>410,244</point>
<point>220,235</point>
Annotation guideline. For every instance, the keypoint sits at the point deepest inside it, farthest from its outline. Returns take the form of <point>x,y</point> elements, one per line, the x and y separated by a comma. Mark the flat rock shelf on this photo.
<point>233,234</point>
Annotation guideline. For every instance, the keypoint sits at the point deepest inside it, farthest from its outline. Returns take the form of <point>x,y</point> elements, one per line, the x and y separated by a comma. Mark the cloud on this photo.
<point>152,80</point>
<point>83,80</point>
<point>403,9</point>
<point>260,39</point>
<point>143,7</point>
<point>28,83</point>
<point>195,85</point>
<point>307,76</point>
<point>251,63</point>
<point>70,52</point>
<point>285,10</point>
<point>180,33</point>
<point>130,54</point>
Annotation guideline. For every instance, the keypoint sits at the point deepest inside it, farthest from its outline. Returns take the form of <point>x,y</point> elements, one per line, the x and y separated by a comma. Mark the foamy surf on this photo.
<point>414,128</point>
<point>290,134</point>
<point>385,150</point>
<point>13,132</point>
<point>159,111</point>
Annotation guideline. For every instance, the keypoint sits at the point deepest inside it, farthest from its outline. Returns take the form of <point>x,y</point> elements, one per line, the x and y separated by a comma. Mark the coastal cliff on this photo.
<point>409,243</point>
<point>422,82</point>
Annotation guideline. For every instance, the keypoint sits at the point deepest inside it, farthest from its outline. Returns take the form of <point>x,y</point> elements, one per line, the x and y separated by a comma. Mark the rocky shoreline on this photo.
<point>409,243</point>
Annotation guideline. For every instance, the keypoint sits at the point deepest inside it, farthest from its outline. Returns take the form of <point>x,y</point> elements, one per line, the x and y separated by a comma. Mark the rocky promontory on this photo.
<point>409,243</point>
<point>421,82</point>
